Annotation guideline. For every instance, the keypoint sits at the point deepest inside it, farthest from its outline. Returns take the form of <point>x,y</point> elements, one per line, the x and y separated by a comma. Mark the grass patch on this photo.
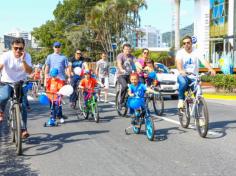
<point>221,93</point>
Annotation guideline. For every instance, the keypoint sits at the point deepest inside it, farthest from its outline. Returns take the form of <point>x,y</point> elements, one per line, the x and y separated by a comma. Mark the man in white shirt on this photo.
<point>15,66</point>
<point>187,60</point>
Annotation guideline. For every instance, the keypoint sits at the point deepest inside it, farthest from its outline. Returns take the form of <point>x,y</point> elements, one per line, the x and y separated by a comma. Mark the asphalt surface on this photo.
<point>83,147</point>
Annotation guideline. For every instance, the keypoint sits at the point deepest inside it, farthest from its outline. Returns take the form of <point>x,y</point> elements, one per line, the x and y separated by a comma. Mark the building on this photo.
<point>17,33</point>
<point>147,37</point>
<point>222,31</point>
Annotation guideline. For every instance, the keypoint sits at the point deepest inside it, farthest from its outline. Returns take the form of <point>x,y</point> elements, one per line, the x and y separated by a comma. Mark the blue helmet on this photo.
<point>54,72</point>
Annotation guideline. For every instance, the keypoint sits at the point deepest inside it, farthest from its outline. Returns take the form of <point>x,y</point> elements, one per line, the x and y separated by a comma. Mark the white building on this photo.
<point>16,32</point>
<point>151,37</point>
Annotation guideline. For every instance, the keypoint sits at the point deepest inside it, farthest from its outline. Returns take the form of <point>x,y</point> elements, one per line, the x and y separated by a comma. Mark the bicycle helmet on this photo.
<point>54,72</point>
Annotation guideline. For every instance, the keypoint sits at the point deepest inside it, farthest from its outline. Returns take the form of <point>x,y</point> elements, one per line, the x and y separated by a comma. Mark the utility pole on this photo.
<point>177,21</point>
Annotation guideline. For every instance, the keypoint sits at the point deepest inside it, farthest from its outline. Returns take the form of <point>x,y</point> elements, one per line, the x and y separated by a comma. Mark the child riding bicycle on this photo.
<point>136,92</point>
<point>88,85</point>
<point>53,85</point>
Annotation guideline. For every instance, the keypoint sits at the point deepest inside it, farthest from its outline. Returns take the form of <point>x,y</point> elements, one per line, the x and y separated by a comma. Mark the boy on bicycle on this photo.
<point>136,91</point>
<point>88,84</point>
<point>53,85</point>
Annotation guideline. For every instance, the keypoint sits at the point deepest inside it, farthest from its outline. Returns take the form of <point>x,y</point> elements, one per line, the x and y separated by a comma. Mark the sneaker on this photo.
<point>62,120</point>
<point>181,104</point>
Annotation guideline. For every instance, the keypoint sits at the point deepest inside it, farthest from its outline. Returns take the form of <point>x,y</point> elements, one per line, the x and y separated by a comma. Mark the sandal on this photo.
<point>25,134</point>
<point>1,116</point>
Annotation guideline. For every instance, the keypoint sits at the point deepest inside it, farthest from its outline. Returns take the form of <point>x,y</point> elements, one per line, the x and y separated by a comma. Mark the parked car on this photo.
<point>168,80</point>
<point>113,76</point>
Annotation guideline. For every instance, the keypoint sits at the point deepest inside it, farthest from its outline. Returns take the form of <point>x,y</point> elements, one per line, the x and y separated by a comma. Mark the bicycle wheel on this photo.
<point>202,117</point>
<point>11,123</point>
<point>95,112</point>
<point>121,110</point>
<point>158,104</point>
<point>149,128</point>
<point>17,121</point>
<point>184,115</point>
<point>82,108</point>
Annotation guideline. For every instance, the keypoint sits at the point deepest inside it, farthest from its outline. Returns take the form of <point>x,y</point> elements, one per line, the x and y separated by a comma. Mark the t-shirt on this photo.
<point>127,63</point>
<point>141,61</point>
<point>77,63</point>
<point>138,90</point>
<point>89,83</point>
<point>58,61</point>
<point>190,61</point>
<point>103,68</point>
<point>13,67</point>
<point>53,85</point>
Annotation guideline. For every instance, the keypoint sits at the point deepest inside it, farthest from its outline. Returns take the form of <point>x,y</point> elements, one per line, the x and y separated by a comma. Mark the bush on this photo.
<point>225,82</point>
<point>206,78</point>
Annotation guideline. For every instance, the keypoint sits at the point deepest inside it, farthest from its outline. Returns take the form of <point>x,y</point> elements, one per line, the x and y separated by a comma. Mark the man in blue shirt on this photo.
<point>58,61</point>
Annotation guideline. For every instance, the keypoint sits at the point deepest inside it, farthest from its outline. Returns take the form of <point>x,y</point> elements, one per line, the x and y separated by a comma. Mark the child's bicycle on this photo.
<point>55,105</point>
<point>88,104</point>
<point>142,116</point>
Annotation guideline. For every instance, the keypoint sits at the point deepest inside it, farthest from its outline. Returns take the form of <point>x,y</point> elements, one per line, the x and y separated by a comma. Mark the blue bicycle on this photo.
<point>142,116</point>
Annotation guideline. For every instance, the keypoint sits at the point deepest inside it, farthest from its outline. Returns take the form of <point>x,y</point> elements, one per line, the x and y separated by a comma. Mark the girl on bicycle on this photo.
<point>53,85</point>
<point>136,92</point>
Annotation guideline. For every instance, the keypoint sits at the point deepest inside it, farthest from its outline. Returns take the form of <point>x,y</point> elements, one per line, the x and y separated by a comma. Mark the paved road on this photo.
<point>82,147</point>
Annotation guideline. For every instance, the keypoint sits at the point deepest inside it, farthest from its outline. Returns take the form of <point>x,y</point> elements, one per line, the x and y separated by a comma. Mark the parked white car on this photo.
<point>168,80</point>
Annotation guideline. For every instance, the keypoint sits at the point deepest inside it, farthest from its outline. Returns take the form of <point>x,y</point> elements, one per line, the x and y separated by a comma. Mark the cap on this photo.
<point>58,44</point>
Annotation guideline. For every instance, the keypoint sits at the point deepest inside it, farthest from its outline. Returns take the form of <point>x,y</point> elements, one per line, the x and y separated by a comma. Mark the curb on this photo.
<point>219,97</point>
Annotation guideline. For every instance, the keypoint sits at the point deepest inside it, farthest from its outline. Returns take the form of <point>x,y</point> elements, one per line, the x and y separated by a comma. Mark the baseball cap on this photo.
<point>58,44</point>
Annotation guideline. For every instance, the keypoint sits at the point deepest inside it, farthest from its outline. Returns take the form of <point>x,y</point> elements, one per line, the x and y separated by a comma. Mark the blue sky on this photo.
<point>27,14</point>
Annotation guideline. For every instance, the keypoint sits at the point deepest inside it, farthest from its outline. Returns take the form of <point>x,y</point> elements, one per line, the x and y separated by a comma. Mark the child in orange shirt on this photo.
<point>88,84</point>
<point>53,85</point>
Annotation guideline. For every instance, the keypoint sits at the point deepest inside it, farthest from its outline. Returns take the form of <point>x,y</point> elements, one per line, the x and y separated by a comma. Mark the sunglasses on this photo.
<point>57,47</point>
<point>145,52</point>
<point>18,48</point>
<point>78,53</point>
<point>184,43</point>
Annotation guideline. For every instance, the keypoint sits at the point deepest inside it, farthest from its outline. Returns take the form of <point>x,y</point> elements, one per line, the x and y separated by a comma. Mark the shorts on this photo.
<point>105,82</point>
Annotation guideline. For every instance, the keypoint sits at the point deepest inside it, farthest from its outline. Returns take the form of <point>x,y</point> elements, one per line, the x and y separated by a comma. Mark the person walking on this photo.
<point>59,61</point>
<point>102,72</point>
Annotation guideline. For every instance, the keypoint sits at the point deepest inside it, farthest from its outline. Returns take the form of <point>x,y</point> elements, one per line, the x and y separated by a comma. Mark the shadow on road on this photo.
<point>10,163</point>
<point>219,128</point>
<point>45,143</point>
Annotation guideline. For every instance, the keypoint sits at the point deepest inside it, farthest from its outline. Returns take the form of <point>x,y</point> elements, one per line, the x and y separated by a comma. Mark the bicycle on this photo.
<point>121,108</point>
<point>91,105</point>
<point>157,99</point>
<point>34,87</point>
<point>143,116</point>
<point>195,106</point>
<point>15,116</point>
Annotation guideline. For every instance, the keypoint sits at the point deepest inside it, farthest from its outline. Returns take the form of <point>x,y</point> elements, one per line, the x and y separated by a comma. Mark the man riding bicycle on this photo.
<point>125,64</point>
<point>187,61</point>
<point>15,66</point>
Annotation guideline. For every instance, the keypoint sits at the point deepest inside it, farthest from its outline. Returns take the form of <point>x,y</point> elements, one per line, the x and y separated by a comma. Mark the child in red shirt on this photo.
<point>53,85</point>
<point>88,84</point>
